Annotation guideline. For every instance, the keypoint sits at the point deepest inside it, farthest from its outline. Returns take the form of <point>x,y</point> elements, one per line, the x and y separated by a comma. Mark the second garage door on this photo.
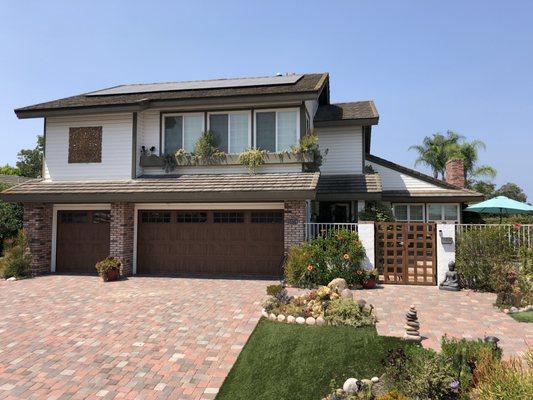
<point>210,242</point>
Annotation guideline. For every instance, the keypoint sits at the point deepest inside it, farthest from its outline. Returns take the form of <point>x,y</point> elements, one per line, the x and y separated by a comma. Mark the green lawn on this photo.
<point>291,362</point>
<point>524,316</point>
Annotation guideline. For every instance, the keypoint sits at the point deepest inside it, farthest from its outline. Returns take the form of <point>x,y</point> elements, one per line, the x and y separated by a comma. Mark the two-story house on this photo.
<point>105,189</point>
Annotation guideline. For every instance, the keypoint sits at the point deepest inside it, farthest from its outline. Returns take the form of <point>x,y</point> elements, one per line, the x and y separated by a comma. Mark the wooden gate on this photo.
<point>406,253</point>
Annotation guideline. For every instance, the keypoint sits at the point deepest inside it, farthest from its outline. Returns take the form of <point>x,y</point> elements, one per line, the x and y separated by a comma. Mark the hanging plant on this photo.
<point>252,159</point>
<point>169,162</point>
<point>308,144</point>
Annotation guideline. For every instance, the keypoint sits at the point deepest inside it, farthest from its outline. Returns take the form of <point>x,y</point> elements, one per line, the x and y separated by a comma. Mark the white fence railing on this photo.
<point>519,236</point>
<point>314,229</point>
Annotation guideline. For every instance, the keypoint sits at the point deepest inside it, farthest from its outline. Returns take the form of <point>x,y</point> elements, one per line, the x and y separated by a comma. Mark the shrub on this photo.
<point>337,254</point>
<point>348,312</point>
<point>503,381</point>
<point>376,211</point>
<point>273,290</point>
<point>464,357</point>
<point>482,258</point>
<point>308,144</point>
<point>17,259</point>
<point>392,395</point>
<point>108,264</point>
<point>10,218</point>
<point>295,269</point>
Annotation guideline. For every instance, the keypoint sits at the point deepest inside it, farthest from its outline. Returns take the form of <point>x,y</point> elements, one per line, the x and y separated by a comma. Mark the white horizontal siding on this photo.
<point>149,129</point>
<point>395,180</point>
<point>345,150</point>
<point>116,148</point>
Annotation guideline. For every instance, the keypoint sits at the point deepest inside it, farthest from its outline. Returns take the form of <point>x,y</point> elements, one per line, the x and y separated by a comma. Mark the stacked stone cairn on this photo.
<point>412,326</point>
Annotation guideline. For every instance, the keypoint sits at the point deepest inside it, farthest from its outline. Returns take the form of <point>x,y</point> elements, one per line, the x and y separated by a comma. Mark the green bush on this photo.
<point>464,357</point>
<point>336,254</point>
<point>419,373</point>
<point>107,264</point>
<point>10,219</point>
<point>376,211</point>
<point>348,312</point>
<point>16,261</point>
<point>274,290</point>
<point>482,258</point>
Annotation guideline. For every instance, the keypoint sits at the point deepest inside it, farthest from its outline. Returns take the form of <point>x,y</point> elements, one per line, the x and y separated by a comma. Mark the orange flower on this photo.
<point>346,256</point>
<point>309,267</point>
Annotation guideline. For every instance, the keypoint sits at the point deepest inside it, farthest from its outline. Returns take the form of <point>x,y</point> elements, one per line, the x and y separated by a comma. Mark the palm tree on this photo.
<point>434,151</point>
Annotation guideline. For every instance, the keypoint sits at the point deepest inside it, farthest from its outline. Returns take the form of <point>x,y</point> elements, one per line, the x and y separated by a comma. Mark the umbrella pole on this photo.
<point>500,216</point>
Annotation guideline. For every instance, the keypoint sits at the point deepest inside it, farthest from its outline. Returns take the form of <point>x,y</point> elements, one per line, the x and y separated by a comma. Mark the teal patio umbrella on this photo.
<point>501,205</point>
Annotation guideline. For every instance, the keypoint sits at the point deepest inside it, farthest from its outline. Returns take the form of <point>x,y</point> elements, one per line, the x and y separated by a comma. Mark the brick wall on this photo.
<point>37,223</point>
<point>455,172</point>
<point>294,222</point>
<point>121,245</point>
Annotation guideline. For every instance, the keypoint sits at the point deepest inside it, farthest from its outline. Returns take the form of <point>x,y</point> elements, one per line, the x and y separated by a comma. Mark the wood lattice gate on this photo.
<point>406,253</point>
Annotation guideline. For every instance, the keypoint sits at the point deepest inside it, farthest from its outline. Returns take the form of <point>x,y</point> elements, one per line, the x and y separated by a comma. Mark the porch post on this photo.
<point>366,234</point>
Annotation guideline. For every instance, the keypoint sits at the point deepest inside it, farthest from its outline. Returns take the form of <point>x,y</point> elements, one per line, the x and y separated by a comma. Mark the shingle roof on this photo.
<point>360,186</point>
<point>357,110</point>
<point>309,83</point>
<point>216,187</point>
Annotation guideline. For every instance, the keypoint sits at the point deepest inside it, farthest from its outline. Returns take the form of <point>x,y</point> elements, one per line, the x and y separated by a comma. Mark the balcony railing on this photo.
<point>519,236</point>
<point>314,229</point>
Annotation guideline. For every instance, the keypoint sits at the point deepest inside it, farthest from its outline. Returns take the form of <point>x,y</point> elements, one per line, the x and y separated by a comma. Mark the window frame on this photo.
<point>442,212</point>
<point>182,115</point>
<point>408,205</point>
<point>276,111</point>
<point>229,113</point>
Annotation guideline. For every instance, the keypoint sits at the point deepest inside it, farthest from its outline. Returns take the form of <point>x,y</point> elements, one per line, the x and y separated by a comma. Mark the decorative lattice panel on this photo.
<point>85,144</point>
<point>405,253</point>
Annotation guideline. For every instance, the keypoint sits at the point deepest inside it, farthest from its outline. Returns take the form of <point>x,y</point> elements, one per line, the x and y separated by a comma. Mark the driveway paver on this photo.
<point>464,314</point>
<point>75,337</point>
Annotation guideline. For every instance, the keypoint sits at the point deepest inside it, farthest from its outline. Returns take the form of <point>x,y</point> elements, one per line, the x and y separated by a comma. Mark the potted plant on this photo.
<point>109,269</point>
<point>370,278</point>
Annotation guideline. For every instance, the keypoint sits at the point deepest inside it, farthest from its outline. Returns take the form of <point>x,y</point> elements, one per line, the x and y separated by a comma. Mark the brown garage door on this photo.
<point>82,240</point>
<point>210,242</point>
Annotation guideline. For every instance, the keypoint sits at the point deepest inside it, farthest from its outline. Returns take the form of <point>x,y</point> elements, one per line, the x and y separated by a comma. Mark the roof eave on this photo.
<point>347,122</point>
<point>23,113</point>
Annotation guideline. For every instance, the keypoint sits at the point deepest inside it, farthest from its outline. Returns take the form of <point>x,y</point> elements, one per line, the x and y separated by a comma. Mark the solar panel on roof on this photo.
<point>192,85</point>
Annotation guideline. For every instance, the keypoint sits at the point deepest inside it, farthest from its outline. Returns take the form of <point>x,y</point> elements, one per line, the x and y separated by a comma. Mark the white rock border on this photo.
<point>290,319</point>
<point>514,310</point>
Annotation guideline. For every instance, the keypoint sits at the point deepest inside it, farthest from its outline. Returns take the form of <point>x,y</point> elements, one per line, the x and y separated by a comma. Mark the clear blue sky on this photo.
<point>429,65</point>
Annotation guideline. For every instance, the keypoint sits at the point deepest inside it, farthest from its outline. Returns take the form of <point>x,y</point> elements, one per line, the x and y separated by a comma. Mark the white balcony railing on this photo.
<point>314,229</point>
<point>519,236</point>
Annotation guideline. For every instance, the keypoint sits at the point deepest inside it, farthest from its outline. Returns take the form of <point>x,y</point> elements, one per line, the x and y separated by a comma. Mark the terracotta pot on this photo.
<point>369,284</point>
<point>112,275</point>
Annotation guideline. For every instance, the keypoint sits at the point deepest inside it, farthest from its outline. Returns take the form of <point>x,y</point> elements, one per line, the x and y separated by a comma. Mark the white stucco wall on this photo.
<point>445,252</point>
<point>367,237</point>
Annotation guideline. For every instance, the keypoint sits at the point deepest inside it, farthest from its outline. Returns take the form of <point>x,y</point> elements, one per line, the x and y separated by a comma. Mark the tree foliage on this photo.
<point>30,161</point>
<point>9,170</point>
<point>437,149</point>
<point>511,190</point>
<point>10,218</point>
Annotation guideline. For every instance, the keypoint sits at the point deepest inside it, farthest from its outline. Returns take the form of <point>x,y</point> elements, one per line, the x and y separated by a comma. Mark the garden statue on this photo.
<point>451,281</point>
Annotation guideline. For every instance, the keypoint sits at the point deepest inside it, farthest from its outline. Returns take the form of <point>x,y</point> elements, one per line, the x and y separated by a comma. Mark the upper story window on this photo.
<point>181,131</point>
<point>276,130</point>
<point>231,131</point>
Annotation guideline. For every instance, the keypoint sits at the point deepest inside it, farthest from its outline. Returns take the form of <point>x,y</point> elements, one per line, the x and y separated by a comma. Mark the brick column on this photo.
<point>121,242</point>
<point>294,223</point>
<point>37,224</point>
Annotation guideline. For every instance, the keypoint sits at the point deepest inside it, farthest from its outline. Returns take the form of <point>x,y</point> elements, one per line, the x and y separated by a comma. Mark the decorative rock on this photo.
<point>375,379</point>
<point>350,386</point>
<point>320,321</point>
<point>412,326</point>
<point>310,321</point>
<point>272,317</point>
<point>511,310</point>
<point>264,313</point>
<point>506,310</point>
<point>291,319</point>
<point>366,382</point>
<point>11,279</point>
<point>281,318</point>
<point>347,294</point>
<point>338,285</point>
<point>361,302</point>
<point>300,320</point>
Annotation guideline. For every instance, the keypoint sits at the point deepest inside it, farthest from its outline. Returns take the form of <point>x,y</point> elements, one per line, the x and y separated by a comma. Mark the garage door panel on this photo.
<point>210,242</point>
<point>82,240</point>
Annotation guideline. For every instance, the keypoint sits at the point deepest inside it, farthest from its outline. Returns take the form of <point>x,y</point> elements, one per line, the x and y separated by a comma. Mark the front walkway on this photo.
<point>465,314</point>
<point>75,337</point>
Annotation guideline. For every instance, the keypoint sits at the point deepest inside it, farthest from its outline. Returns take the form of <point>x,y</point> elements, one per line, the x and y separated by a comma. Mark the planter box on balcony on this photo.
<point>230,159</point>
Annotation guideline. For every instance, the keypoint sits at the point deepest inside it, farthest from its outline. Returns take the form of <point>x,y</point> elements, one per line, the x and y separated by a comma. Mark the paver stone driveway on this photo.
<point>75,337</point>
